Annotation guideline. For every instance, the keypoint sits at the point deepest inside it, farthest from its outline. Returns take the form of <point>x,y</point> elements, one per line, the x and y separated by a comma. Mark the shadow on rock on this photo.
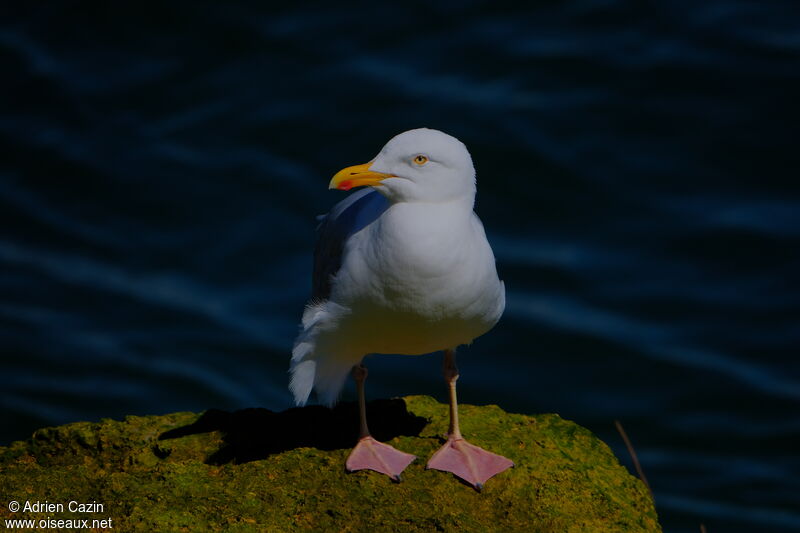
<point>254,434</point>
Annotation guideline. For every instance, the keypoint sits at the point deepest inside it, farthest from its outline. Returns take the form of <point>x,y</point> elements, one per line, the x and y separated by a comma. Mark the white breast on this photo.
<point>421,278</point>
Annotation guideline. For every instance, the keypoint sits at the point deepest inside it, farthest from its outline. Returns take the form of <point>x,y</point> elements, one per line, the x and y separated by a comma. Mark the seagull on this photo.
<point>402,266</point>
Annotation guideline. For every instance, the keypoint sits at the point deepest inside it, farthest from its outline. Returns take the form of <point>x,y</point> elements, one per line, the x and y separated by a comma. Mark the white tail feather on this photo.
<point>316,363</point>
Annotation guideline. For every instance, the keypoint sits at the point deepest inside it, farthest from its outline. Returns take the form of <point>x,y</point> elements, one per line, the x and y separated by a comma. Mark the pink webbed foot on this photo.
<point>369,454</point>
<point>469,462</point>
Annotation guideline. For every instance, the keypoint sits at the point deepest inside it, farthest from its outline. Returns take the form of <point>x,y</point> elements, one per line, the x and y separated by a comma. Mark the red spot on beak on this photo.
<point>346,185</point>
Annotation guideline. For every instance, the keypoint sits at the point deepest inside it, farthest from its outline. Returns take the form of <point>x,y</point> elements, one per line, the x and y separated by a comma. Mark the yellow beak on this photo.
<point>356,176</point>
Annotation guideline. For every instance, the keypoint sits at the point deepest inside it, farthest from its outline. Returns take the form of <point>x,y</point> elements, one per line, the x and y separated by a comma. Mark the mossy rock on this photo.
<point>255,470</point>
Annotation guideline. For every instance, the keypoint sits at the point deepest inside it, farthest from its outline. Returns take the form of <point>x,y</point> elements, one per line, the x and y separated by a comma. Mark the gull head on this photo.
<point>421,165</point>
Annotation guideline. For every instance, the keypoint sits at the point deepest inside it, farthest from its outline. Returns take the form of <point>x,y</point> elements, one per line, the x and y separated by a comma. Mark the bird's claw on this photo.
<point>369,454</point>
<point>468,462</point>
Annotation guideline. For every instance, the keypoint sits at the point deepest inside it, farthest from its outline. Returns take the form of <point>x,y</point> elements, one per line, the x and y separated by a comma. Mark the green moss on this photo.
<point>256,471</point>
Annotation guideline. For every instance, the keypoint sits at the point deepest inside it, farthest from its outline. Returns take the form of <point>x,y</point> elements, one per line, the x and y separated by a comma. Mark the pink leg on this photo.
<point>369,454</point>
<point>467,461</point>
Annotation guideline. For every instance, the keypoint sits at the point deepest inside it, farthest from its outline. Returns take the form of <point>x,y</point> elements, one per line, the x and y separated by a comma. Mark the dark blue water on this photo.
<point>161,167</point>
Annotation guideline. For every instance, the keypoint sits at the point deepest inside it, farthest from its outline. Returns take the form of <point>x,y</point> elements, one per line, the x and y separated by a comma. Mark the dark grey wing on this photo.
<point>346,218</point>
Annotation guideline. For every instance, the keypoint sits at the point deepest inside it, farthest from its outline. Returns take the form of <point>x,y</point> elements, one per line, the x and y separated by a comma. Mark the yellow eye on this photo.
<point>420,160</point>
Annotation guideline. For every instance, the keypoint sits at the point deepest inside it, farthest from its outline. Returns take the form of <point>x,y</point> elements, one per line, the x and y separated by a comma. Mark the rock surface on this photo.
<point>255,470</point>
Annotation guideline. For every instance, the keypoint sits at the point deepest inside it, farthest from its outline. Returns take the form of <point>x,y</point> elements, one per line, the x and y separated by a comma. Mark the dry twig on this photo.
<point>635,459</point>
